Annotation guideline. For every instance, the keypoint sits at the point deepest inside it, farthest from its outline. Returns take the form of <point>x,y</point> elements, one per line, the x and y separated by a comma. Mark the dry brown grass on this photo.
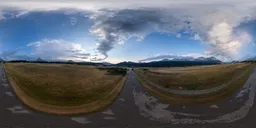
<point>198,99</point>
<point>202,77</point>
<point>62,84</point>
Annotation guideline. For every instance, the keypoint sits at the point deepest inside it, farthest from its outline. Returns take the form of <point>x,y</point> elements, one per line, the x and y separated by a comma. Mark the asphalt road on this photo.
<point>134,107</point>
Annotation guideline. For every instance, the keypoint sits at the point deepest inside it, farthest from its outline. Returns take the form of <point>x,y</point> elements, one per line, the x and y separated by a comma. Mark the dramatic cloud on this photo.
<point>225,42</point>
<point>214,22</point>
<point>115,27</point>
<point>58,49</point>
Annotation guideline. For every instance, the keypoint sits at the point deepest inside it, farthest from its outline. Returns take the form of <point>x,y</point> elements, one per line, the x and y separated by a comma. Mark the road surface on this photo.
<point>135,108</point>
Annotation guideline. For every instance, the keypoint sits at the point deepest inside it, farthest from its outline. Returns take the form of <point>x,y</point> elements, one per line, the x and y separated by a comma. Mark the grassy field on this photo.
<point>198,99</point>
<point>63,84</point>
<point>196,77</point>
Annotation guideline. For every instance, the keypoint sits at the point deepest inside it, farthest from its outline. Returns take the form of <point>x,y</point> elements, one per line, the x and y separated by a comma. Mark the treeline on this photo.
<point>17,61</point>
<point>249,61</point>
<point>115,70</point>
<point>54,62</point>
<point>167,64</point>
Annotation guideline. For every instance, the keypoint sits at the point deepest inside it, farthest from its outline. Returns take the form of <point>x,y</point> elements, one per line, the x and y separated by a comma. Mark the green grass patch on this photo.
<point>191,86</point>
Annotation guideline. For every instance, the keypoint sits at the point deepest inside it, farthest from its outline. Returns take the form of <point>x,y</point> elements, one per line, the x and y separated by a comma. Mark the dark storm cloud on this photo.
<point>115,27</point>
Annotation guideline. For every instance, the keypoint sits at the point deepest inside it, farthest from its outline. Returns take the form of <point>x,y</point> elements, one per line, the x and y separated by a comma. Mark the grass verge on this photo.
<point>195,77</point>
<point>197,99</point>
<point>36,104</point>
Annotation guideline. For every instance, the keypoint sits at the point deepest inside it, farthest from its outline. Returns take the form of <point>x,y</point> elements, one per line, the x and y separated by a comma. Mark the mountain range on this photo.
<point>1,60</point>
<point>176,62</point>
<point>199,59</point>
<point>251,59</point>
<point>40,60</point>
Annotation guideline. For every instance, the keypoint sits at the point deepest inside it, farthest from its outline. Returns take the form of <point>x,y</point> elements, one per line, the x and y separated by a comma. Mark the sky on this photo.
<point>117,30</point>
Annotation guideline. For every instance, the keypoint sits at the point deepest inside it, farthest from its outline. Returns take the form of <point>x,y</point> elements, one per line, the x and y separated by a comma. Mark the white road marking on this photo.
<point>81,120</point>
<point>9,94</point>
<point>5,85</point>
<point>18,110</point>
<point>159,111</point>
<point>241,112</point>
<point>108,112</point>
<point>214,106</point>
<point>243,91</point>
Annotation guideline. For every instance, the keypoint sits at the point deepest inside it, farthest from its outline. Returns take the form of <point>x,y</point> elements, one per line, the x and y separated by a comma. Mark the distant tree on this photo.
<point>117,71</point>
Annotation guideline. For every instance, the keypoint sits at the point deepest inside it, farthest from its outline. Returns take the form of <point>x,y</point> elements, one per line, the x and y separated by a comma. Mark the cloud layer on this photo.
<point>214,22</point>
<point>115,27</point>
<point>58,49</point>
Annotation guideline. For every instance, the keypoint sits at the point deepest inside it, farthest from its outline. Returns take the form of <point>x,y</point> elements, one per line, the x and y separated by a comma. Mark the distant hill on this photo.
<point>71,61</point>
<point>129,63</point>
<point>209,59</point>
<point>234,62</point>
<point>181,58</point>
<point>1,60</point>
<point>107,63</point>
<point>40,60</point>
<point>165,60</point>
<point>253,59</point>
<point>199,59</point>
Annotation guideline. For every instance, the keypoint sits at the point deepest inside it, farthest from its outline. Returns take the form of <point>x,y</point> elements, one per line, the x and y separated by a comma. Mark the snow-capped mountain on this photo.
<point>40,60</point>
<point>199,59</point>
<point>251,59</point>
<point>1,60</point>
